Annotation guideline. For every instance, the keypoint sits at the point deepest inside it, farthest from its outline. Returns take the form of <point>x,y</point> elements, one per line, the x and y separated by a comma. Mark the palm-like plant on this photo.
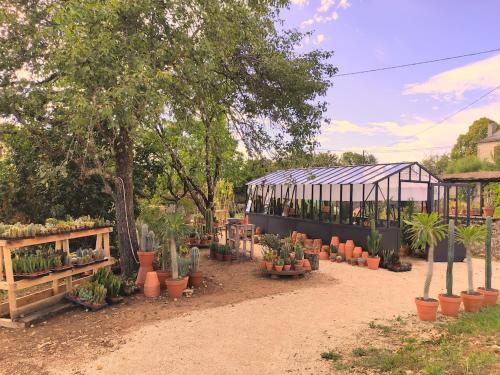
<point>470,236</point>
<point>426,230</point>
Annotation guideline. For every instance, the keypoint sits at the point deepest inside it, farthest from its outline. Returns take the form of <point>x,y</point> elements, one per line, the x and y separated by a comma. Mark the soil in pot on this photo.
<point>373,262</point>
<point>196,279</point>
<point>176,287</point>
<point>450,305</point>
<point>426,309</point>
<point>472,302</point>
<point>490,296</point>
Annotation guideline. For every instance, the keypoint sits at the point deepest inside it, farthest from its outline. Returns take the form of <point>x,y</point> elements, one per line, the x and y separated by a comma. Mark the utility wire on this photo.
<point>415,63</point>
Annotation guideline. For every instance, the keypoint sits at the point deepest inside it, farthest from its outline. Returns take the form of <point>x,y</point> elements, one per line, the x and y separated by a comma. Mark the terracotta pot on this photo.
<point>490,296</point>
<point>162,276</point>
<point>258,231</point>
<point>146,259</point>
<point>349,251</point>
<point>361,261</point>
<point>357,252</point>
<point>472,302</point>
<point>365,254</point>
<point>341,249</point>
<point>323,255</point>
<point>373,262</point>
<point>488,211</point>
<point>298,266</point>
<point>152,285</point>
<point>287,267</point>
<point>308,243</point>
<point>453,211</point>
<point>426,309</point>
<point>263,264</point>
<point>197,242</point>
<point>306,264</point>
<point>350,243</point>
<point>196,279</point>
<point>300,262</point>
<point>219,256</point>
<point>227,257</point>
<point>335,241</point>
<point>176,287</point>
<point>269,266</point>
<point>403,251</point>
<point>278,268</point>
<point>449,304</point>
<point>474,212</point>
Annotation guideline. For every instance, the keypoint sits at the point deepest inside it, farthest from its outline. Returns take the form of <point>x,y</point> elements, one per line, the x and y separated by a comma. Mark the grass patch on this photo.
<point>466,346</point>
<point>331,356</point>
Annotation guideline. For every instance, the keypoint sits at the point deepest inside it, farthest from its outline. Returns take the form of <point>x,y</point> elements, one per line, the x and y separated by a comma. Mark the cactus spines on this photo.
<point>143,236</point>
<point>451,257</point>
<point>487,260</point>
<point>150,241</point>
<point>195,259</point>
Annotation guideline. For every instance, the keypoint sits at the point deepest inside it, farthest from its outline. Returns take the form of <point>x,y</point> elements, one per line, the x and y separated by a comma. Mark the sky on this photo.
<point>398,114</point>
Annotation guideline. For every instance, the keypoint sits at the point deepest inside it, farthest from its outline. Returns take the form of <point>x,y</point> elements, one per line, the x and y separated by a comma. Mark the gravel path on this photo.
<point>279,334</point>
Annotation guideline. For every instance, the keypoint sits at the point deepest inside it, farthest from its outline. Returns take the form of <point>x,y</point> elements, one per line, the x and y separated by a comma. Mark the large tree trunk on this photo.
<point>124,202</point>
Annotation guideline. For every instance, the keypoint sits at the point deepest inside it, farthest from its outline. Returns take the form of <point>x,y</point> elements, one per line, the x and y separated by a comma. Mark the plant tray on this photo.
<point>101,260</point>
<point>85,304</point>
<point>114,300</point>
<point>61,269</point>
<point>292,273</point>
<point>30,276</point>
<point>83,265</point>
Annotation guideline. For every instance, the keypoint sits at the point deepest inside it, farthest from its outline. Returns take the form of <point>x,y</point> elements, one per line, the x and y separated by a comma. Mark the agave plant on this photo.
<point>426,231</point>
<point>470,236</point>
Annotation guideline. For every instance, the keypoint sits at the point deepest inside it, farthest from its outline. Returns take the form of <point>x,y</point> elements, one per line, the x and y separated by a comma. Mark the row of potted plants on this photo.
<point>283,255</point>
<point>220,252</point>
<point>51,226</point>
<point>426,230</point>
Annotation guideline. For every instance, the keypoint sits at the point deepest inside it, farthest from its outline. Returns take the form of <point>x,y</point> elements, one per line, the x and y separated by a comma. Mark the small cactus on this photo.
<point>195,259</point>
<point>451,257</point>
<point>488,254</point>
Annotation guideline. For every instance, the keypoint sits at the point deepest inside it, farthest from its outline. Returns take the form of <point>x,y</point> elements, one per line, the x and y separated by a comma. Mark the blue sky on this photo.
<point>388,113</point>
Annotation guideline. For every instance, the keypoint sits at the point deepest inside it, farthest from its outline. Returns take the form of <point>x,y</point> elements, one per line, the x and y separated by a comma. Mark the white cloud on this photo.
<point>325,5</point>
<point>344,4</point>
<point>317,18</point>
<point>320,38</point>
<point>452,84</point>
<point>300,3</point>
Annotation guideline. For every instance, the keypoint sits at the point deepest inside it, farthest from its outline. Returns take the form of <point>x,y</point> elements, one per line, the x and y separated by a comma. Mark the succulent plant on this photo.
<point>195,259</point>
<point>183,266</point>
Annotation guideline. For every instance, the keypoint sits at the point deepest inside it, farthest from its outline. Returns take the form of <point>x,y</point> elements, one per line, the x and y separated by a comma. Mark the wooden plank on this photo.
<point>10,281</point>
<point>40,304</point>
<point>8,323</point>
<point>23,284</point>
<point>1,263</point>
<point>53,238</point>
<point>107,250</point>
<point>43,313</point>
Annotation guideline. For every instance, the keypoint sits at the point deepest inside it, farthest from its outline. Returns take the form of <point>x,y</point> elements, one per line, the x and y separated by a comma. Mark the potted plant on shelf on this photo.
<point>489,201</point>
<point>373,241</point>
<point>287,264</point>
<point>268,258</point>
<point>426,231</point>
<point>490,294</point>
<point>469,237</point>
<point>146,253</point>
<point>299,257</point>
<point>195,276</point>
<point>278,264</point>
<point>450,303</point>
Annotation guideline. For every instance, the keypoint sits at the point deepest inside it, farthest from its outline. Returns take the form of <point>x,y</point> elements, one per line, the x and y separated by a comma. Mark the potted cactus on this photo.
<point>450,303</point>
<point>180,268</point>
<point>146,253</point>
<point>195,276</point>
<point>278,265</point>
<point>489,202</point>
<point>426,231</point>
<point>490,294</point>
<point>470,236</point>
<point>373,242</point>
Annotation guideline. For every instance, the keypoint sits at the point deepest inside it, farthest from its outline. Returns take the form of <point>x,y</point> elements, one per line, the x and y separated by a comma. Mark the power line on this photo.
<point>416,63</point>
<point>384,150</point>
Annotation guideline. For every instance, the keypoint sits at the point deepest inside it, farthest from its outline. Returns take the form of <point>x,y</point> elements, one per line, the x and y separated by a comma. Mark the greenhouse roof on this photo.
<point>352,174</point>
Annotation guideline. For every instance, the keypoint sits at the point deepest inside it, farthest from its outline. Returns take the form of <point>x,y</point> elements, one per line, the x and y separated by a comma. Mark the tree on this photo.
<point>354,158</point>
<point>470,236</point>
<point>466,144</point>
<point>436,164</point>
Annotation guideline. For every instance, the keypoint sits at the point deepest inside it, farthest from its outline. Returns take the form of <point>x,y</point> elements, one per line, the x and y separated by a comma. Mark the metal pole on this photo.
<point>376,204</point>
<point>388,208</point>
<point>351,219</point>
<point>320,213</point>
<point>340,204</point>
<point>399,199</point>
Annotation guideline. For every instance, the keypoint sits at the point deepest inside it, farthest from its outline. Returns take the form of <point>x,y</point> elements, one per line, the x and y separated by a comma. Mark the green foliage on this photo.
<point>299,251</point>
<point>92,292</point>
<point>271,242</point>
<point>183,266</point>
<point>354,158</point>
<point>374,239</point>
<point>331,356</point>
<point>108,280</point>
<point>487,257</point>
<point>467,143</point>
<point>451,257</point>
<point>470,163</point>
<point>437,164</point>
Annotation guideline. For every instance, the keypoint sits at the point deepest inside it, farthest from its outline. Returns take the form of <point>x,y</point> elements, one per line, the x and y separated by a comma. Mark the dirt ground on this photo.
<point>241,323</point>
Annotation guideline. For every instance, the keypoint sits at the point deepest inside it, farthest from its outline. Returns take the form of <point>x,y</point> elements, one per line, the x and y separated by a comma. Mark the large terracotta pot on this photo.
<point>146,259</point>
<point>426,309</point>
<point>287,267</point>
<point>373,262</point>
<point>472,302</point>
<point>349,249</point>
<point>341,249</point>
<point>490,296</point>
<point>488,211</point>
<point>176,287</point>
<point>269,266</point>
<point>449,304</point>
<point>323,255</point>
<point>294,236</point>
<point>196,279</point>
<point>357,252</point>
<point>335,241</point>
<point>162,276</point>
<point>349,243</point>
<point>152,285</point>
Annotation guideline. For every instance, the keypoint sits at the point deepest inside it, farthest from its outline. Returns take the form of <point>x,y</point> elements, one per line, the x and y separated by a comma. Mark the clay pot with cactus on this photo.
<point>146,253</point>
<point>425,231</point>
<point>490,295</point>
<point>470,236</point>
<point>195,275</point>
<point>373,242</point>
<point>450,303</point>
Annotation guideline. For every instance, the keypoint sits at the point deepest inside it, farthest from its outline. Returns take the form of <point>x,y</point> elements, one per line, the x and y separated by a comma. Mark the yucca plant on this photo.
<point>426,231</point>
<point>470,236</point>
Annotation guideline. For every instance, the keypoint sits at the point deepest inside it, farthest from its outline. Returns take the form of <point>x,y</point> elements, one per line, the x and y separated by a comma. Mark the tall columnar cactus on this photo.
<point>195,259</point>
<point>143,236</point>
<point>488,254</point>
<point>150,241</point>
<point>451,258</point>
<point>209,220</point>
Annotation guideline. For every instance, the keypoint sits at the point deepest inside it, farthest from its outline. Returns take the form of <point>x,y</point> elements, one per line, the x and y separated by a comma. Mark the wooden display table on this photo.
<point>16,307</point>
<point>237,236</point>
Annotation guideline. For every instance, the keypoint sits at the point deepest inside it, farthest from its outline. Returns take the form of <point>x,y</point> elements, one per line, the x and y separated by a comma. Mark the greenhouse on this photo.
<point>343,200</point>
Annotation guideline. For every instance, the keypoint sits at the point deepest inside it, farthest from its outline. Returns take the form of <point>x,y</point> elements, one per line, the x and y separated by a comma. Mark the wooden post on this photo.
<point>10,282</point>
<point>1,263</point>
<point>107,250</point>
<point>69,279</point>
